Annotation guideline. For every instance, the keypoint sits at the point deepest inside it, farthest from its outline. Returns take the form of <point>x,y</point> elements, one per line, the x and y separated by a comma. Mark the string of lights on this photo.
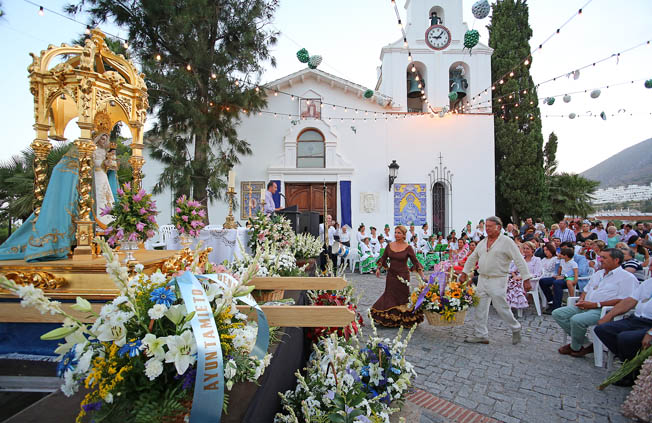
<point>528,59</point>
<point>565,74</point>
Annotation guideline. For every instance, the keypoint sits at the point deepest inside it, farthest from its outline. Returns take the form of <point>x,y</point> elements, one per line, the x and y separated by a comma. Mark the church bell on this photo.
<point>413,88</point>
<point>458,83</point>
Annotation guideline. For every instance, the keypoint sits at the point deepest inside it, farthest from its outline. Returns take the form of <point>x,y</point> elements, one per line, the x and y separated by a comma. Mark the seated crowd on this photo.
<point>605,266</point>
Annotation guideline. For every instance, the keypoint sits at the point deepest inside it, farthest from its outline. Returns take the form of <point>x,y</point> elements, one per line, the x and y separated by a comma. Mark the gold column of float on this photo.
<point>41,146</point>
<point>137,160</point>
<point>85,232</point>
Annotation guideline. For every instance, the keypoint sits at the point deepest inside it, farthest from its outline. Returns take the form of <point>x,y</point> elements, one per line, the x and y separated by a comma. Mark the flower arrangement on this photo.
<point>134,213</point>
<point>351,381</point>
<point>343,297</point>
<point>443,297</point>
<point>271,261</point>
<point>306,246</point>
<point>138,360</point>
<point>189,216</point>
<point>274,229</point>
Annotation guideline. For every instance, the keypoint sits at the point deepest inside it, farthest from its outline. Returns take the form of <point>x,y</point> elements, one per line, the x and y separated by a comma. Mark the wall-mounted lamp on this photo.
<point>393,173</point>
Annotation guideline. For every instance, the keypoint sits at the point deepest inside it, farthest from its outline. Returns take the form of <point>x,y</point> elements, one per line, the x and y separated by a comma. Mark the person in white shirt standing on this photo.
<point>270,205</point>
<point>605,288</point>
<point>494,255</point>
<point>625,337</point>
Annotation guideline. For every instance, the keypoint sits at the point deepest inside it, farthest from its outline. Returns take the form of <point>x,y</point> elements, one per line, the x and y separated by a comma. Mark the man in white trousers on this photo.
<point>493,255</point>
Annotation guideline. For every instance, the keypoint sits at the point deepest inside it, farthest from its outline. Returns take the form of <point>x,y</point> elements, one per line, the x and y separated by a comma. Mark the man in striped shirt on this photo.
<point>564,233</point>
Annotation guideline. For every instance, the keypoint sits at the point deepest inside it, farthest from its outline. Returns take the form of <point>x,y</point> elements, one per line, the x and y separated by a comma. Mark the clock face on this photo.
<point>438,37</point>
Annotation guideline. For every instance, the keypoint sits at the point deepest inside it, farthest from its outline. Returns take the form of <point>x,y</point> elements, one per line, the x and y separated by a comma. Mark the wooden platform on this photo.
<point>87,278</point>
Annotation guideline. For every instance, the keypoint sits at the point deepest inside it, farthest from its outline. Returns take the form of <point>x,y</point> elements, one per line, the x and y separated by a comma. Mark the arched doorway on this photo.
<point>439,208</point>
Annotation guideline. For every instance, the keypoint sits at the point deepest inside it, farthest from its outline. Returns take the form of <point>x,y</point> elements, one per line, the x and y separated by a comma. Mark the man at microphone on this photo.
<point>270,205</point>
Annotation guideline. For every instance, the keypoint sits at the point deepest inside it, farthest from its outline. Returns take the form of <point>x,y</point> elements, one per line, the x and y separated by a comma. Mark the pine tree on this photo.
<point>191,51</point>
<point>520,182</point>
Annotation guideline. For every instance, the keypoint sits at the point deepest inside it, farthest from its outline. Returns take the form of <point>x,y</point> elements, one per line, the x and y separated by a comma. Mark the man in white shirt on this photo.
<point>494,254</point>
<point>625,337</point>
<point>600,232</point>
<point>605,288</point>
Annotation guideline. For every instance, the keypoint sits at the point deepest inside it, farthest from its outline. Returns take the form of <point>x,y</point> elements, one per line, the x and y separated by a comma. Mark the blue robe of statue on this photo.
<point>51,236</point>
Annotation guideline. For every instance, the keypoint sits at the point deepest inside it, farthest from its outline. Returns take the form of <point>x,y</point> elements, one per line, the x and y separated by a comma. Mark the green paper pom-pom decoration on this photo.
<point>303,55</point>
<point>550,101</point>
<point>648,83</point>
<point>452,96</point>
<point>368,94</point>
<point>471,38</point>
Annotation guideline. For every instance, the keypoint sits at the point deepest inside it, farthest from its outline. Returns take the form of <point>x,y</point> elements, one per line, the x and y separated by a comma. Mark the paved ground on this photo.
<point>529,382</point>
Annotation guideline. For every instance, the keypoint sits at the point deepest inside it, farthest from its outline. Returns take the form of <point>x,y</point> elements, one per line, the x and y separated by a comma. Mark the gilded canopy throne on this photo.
<point>97,87</point>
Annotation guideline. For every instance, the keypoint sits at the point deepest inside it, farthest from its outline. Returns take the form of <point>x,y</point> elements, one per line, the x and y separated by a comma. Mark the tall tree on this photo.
<point>191,51</point>
<point>550,156</point>
<point>520,182</point>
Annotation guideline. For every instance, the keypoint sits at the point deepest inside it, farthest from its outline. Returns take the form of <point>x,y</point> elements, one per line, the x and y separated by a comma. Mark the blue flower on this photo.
<point>386,399</point>
<point>395,371</point>
<point>93,406</point>
<point>354,374</point>
<point>68,362</point>
<point>163,296</point>
<point>372,393</point>
<point>132,348</point>
<point>385,349</point>
<point>363,419</point>
<point>371,356</point>
<point>364,371</point>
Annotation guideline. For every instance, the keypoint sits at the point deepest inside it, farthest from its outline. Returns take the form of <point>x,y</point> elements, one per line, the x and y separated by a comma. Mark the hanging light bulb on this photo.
<point>125,45</point>
<point>511,73</point>
<point>188,67</point>
<point>400,24</point>
<point>527,62</point>
<point>502,82</point>
<point>292,98</point>
<point>333,107</point>
<point>414,69</point>
<point>257,89</point>
<point>213,75</point>
<point>237,83</point>
<point>405,44</point>
<point>158,57</point>
<point>420,86</point>
<point>41,11</point>
<point>409,57</point>
<point>416,77</point>
<point>275,93</point>
<point>346,110</point>
<point>88,29</point>
<point>308,102</point>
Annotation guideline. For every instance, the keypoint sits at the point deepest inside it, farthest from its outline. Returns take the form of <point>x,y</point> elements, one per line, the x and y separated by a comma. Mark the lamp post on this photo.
<point>393,173</point>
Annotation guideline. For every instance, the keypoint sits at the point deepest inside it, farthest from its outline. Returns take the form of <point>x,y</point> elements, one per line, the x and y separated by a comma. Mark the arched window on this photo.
<point>416,87</point>
<point>439,208</point>
<point>459,81</point>
<point>436,16</point>
<point>310,149</point>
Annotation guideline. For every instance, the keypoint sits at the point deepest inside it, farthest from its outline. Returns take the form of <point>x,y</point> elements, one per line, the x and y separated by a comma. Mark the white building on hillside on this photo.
<point>623,193</point>
<point>446,174</point>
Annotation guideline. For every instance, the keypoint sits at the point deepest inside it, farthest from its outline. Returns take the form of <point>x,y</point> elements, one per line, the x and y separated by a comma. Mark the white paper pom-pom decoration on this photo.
<point>572,116</point>
<point>567,98</point>
<point>595,93</point>
<point>576,75</point>
<point>314,61</point>
<point>481,9</point>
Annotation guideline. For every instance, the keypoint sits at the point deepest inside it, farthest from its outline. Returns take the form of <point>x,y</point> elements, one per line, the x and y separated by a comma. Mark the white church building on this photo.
<point>322,129</point>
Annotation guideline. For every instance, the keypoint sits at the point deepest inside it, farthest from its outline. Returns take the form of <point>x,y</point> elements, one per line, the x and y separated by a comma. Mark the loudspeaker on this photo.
<point>309,222</point>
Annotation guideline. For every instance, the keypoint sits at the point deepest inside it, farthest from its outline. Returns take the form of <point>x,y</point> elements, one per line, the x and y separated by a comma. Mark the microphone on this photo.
<point>282,195</point>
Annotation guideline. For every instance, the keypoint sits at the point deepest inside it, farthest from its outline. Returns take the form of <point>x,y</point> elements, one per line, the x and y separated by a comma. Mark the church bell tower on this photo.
<point>440,65</point>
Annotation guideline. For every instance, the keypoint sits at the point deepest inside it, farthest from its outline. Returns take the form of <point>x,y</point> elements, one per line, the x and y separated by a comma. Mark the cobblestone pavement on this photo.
<point>529,382</point>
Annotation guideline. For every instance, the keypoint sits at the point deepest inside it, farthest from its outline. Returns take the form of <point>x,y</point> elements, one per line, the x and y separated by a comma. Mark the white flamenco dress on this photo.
<point>103,194</point>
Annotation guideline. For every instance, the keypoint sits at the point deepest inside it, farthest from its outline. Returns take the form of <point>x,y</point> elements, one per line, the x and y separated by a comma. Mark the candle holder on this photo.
<point>230,220</point>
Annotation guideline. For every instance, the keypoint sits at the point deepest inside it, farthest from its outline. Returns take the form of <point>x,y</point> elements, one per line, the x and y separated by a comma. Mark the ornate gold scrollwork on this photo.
<point>40,279</point>
<point>183,261</point>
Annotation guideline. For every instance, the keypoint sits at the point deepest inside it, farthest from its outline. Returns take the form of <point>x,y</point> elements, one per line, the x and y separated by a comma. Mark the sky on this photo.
<point>349,35</point>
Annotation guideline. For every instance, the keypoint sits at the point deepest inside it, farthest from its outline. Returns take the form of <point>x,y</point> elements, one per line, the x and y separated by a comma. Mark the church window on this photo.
<point>416,87</point>
<point>459,79</point>
<point>436,16</point>
<point>311,149</point>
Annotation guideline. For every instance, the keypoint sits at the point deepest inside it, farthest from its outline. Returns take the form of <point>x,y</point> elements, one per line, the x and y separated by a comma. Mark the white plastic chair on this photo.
<point>156,241</point>
<point>537,296</point>
<point>598,347</point>
<point>167,232</point>
<point>585,278</point>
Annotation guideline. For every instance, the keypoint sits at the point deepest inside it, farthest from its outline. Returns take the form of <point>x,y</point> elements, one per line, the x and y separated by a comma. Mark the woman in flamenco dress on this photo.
<point>391,309</point>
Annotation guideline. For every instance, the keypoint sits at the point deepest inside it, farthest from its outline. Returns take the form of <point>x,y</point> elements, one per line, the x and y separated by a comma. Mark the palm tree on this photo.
<point>570,195</point>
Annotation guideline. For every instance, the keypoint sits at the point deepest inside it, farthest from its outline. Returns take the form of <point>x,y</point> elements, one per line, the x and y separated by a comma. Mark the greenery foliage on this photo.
<point>520,182</point>
<point>202,46</point>
<point>570,195</point>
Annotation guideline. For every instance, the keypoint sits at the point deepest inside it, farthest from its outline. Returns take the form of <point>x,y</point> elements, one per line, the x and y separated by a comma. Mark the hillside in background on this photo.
<point>633,165</point>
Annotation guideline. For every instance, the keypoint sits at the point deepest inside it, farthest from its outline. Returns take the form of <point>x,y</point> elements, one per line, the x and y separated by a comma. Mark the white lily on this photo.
<point>153,346</point>
<point>182,349</point>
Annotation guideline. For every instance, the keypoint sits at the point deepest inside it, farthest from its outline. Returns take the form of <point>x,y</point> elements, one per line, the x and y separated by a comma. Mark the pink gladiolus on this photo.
<point>151,218</point>
<point>183,231</point>
<point>111,241</point>
<point>120,191</point>
<point>140,226</point>
<point>185,218</point>
<point>105,211</point>
<point>178,210</point>
<point>125,207</point>
<point>221,269</point>
<point>133,237</point>
<point>195,223</point>
<point>142,211</point>
<point>150,234</point>
<point>202,213</point>
<point>193,212</point>
<point>127,186</point>
<point>120,234</point>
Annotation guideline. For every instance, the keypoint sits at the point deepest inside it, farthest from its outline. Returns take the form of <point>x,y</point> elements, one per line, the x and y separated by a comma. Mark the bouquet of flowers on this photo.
<point>275,229</point>
<point>351,381</point>
<point>134,213</point>
<point>443,297</point>
<point>138,359</point>
<point>306,246</point>
<point>271,261</point>
<point>188,216</point>
<point>343,297</point>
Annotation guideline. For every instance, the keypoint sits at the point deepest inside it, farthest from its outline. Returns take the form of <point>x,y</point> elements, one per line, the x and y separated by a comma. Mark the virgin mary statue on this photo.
<point>51,235</point>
